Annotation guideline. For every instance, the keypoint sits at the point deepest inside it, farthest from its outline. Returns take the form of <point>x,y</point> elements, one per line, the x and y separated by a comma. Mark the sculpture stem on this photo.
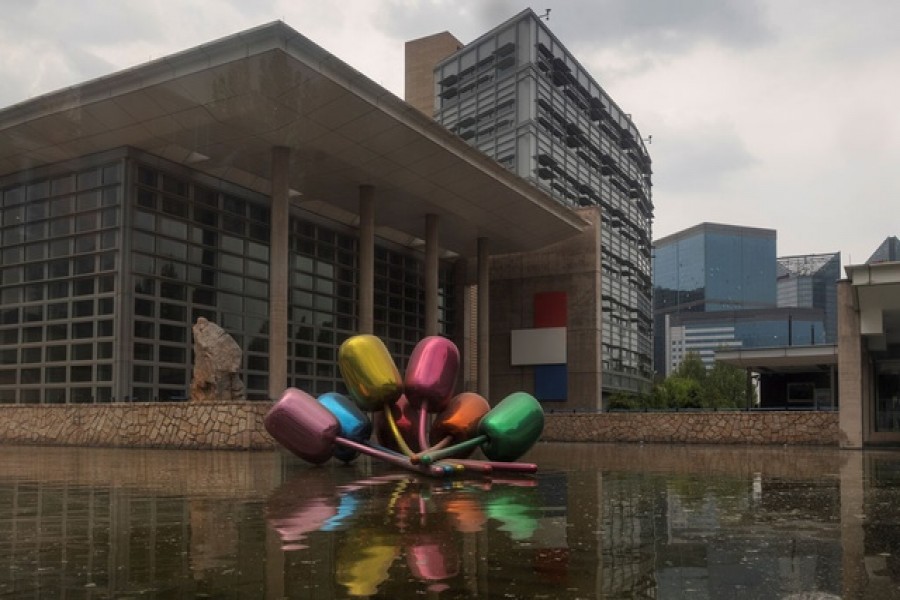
<point>423,434</point>
<point>394,459</point>
<point>430,457</point>
<point>392,424</point>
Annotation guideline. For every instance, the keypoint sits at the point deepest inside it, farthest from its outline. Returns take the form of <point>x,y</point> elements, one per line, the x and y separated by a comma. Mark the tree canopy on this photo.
<point>693,386</point>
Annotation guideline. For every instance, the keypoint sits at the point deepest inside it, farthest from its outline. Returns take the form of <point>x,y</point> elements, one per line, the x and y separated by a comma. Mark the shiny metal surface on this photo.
<point>512,427</point>
<point>407,421</point>
<point>431,374</point>
<point>459,419</point>
<point>355,424</point>
<point>369,371</point>
<point>303,426</point>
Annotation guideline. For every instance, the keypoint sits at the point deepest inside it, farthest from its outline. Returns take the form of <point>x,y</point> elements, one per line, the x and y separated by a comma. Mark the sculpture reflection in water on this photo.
<point>420,425</point>
<point>416,530</point>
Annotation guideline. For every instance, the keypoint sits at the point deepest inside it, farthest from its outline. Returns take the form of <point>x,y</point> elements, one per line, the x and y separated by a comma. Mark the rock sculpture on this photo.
<point>217,359</point>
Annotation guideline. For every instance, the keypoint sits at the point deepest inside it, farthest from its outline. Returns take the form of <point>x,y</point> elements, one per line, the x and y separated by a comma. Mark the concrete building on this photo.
<point>256,181</point>
<point>869,354</point>
<point>519,96</point>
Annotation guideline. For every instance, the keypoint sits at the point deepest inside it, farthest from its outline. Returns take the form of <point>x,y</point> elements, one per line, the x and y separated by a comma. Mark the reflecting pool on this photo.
<point>598,521</point>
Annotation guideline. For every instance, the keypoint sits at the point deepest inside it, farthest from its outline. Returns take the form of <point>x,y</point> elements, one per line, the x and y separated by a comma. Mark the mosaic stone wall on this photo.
<point>239,425</point>
<point>814,428</point>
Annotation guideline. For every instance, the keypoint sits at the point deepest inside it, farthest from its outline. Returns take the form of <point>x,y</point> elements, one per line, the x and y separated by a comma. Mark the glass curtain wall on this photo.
<point>59,239</point>
<point>324,306</point>
<point>194,248</point>
<point>196,251</point>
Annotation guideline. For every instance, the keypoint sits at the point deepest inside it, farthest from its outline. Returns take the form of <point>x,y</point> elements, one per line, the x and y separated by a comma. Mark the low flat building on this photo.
<point>869,353</point>
<point>256,181</point>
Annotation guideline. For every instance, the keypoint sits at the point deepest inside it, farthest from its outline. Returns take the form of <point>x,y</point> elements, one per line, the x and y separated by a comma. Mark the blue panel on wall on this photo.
<point>550,383</point>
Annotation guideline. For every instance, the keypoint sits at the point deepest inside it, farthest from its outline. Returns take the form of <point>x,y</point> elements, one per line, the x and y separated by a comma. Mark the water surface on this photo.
<point>598,521</point>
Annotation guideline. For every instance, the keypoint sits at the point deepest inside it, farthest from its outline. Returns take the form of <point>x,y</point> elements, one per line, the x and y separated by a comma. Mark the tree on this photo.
<point>691,367</point>
<point>726,387</point>
<point>678,392</point>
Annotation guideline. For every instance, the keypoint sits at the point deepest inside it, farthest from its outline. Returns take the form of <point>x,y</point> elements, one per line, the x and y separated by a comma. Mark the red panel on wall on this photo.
<point>550,309</point>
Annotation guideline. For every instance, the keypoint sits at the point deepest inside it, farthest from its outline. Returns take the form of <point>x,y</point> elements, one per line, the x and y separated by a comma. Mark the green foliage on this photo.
<point>692,367</point>
<point>622,401</point>
<point>679,392</point>
<point>692,387</point>
<point>726,387</point>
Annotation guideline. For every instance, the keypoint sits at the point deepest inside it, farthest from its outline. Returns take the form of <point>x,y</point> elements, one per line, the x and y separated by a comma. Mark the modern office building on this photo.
<point>810,281</point>
<point>710,267</point>
<point>705,334</point>
<point>256,181</point>
<point>519,96</point>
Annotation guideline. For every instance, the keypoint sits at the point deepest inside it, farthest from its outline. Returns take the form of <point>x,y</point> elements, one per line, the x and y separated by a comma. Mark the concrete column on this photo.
<point>749,388</point>
<point>279,275</point>
<point>124,297</point>
<point>484,314</point>
<point>366,299</point>
<point>832,378</point>
<point>432,264</point>
<point>851,368</point>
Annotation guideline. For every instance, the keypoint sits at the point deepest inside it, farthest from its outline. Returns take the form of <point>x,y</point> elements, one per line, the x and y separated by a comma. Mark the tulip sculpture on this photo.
<point>335,425</point>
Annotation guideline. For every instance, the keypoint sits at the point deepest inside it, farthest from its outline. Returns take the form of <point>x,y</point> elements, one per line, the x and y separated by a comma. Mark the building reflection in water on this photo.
<point>597,522</point>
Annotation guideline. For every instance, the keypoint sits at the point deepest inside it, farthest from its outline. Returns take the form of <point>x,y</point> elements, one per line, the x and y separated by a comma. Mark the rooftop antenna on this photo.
<point>545,16</point>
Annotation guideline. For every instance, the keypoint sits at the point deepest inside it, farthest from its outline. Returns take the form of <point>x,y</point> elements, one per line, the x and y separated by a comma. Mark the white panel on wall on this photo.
<point>543,346</point>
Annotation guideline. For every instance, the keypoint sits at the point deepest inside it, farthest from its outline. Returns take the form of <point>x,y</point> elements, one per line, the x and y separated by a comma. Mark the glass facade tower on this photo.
<point>106,266</point>
<point>810,281</point>
<point>519,95</point>
<point>708,268</point>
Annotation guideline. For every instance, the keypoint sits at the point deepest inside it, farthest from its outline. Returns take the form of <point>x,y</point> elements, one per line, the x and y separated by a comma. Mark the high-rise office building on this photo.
<point>518,95</point>
<point>707,268</point>
<point>810,281</point>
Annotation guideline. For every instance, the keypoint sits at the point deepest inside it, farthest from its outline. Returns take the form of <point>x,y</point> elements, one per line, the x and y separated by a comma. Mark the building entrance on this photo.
<point>887,396</point>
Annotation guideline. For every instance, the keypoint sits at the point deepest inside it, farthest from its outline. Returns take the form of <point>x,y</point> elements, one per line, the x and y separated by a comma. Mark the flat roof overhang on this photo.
<point>876,295</point>
<point>222,107</point>
<point>781,359</point>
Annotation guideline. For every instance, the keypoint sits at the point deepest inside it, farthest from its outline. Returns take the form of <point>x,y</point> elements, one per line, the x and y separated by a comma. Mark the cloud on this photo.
<point>763,112</point>
<point>701,158</point>
<point>646,26</point>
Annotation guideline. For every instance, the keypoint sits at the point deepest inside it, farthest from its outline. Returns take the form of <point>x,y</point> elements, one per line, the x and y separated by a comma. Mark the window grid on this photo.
<point>586,152</point>
<point>323,303</point>
<point>60,253</point>
<point>196,252</point>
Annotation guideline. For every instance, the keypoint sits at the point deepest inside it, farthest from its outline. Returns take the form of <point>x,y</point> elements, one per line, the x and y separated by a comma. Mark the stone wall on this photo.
<point>813,428</point>
<point>230,425</point>
<point>239,425</point>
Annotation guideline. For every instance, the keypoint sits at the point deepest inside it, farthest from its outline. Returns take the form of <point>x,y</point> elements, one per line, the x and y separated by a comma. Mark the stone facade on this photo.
<point>420,57</point>
<point>239,426</point>
<point>573,267</point>
<point>795,428</point>
<point>225,425</point>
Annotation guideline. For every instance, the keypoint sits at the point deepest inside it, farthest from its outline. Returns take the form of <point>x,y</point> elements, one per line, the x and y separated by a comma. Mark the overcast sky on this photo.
<point>765,113</point>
